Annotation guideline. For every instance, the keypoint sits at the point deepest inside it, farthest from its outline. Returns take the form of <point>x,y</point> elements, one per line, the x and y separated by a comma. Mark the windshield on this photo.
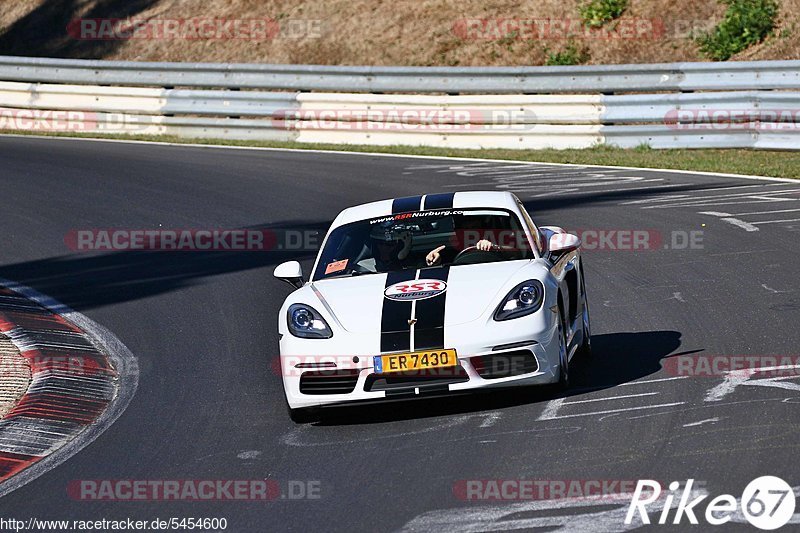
<point>423,239</point>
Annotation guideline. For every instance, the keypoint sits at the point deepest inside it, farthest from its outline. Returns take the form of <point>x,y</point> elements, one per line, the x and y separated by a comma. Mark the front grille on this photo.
<point>503,365</point>
<point>400,382</point>
<point>329,381</point>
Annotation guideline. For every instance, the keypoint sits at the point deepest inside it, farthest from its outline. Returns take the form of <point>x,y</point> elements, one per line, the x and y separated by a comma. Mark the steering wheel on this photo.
<point>496,250</point>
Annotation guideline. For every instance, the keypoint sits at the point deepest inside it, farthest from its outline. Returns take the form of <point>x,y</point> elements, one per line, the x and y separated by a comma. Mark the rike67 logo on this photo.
<point>767,503</point>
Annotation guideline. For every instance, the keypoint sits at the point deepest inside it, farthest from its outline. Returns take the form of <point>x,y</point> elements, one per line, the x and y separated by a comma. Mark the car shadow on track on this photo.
<point>617,358</point>
<point>93,279</point>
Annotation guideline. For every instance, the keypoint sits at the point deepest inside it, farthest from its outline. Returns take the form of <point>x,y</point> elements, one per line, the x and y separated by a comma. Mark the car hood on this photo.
<point>357,303</point>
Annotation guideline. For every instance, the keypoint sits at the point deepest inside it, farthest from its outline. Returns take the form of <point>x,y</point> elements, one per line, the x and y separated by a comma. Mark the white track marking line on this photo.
<point>735,378</point>
<point>720,199</point>
<point>700,198</point>
<point>551,409</point>
<point>744,252</point>
<point>656,199</point>
<point>598,514</point>
<point>765,212</point>
<point>705,406</point>
<point>703,198</point>
<point>491,419</point>
<point>715,204</point>
<point>739,201</point>
<point>737,187</point>
<point>523,194</point>
<point>612,398</point>
<point>747,226</point>
<point>777,221</point>
<point>701,422</point>
<point>527,181</point>
<point>775,291</point>
<point>651,381</point>
<point>665,199</point>
<point>623,410</point>
<point>127,367</point>
<point>740,224</point>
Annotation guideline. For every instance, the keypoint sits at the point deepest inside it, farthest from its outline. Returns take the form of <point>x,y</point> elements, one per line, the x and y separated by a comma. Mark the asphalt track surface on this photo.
<point>203,327</point>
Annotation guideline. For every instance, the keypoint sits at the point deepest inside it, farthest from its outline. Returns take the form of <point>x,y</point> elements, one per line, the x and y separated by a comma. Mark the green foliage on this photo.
<point>595,13</point>
<point>570,55</point>
<point>746,22</point>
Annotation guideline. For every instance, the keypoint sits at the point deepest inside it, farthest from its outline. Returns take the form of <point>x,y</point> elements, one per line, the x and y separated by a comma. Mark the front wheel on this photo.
<point>563,356</point>
<point>585,349</point>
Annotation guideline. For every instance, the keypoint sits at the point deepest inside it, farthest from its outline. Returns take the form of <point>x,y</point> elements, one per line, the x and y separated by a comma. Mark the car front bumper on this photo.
<point>482,359</point>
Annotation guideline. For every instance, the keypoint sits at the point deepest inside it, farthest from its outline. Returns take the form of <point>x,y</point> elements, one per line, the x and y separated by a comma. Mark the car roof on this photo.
<point>465,199</point>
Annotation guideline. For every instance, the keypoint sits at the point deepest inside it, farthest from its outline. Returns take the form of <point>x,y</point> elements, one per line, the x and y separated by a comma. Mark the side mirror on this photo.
<point>291,272</point>
<point>560,243</point>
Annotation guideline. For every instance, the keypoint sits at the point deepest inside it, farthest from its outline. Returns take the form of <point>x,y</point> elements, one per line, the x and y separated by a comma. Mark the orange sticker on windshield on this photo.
<point>336,266</point>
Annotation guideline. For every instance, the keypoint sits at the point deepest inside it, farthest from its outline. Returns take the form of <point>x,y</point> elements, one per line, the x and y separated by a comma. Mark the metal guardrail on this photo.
<point>450,80</point>
<point>145,101</point>
<point>140,98</point>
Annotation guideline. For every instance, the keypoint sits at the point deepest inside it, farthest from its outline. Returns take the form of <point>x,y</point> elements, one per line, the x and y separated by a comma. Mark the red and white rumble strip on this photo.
<point>73,385</point>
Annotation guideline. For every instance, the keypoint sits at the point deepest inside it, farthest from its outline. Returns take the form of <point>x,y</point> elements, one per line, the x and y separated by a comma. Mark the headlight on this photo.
<point>524,299</point>
<point>305,322</point>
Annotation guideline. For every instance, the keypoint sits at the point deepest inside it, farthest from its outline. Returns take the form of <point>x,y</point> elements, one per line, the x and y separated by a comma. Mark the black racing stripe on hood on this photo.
<point>439,201</point>
<point>429,329</point>
<point>395,329</point>
<point>406,205</point>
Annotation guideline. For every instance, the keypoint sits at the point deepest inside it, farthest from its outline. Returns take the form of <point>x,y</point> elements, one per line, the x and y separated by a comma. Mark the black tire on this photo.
<point>585,349</point>
<point>563,362</point>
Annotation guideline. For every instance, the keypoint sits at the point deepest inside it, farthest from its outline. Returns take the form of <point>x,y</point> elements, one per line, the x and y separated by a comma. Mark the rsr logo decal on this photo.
<point>419,289</point>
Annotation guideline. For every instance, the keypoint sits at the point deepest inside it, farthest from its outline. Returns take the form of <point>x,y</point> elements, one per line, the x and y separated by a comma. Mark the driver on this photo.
<point>437,255</point>
<point>391,245</point>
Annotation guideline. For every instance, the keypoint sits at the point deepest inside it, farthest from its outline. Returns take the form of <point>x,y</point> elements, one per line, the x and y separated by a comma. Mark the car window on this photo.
<point>407,240</point>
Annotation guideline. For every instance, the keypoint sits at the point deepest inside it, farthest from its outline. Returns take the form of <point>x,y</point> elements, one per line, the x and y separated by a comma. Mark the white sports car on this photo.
<point>432,294</point>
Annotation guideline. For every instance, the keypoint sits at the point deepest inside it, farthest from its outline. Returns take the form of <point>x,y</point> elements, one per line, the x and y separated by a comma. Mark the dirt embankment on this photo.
<point>370,32</point>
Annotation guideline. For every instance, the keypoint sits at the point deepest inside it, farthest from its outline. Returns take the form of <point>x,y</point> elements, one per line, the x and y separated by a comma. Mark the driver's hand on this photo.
<point>433,256</point>
<point>484,245</point>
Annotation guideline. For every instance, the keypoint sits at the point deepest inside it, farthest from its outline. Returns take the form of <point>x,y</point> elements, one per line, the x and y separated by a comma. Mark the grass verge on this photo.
<point>780,164</point>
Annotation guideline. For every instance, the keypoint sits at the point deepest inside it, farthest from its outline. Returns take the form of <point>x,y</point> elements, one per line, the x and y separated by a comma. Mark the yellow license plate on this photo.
<point>405,362</point>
